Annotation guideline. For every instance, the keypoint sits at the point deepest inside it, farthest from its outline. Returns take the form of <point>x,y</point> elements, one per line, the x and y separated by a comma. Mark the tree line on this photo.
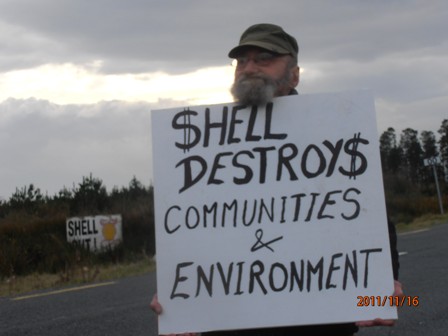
<point>405,156</point>
<point>409,184</point>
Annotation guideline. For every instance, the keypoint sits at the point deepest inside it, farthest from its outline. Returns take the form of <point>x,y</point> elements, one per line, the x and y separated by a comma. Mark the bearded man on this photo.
<point>266,67</point>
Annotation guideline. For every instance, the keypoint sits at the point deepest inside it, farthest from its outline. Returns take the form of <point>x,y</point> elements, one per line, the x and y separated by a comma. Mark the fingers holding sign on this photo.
<point>398,292</point>
<point>155,305</point>
<point>158,309</point>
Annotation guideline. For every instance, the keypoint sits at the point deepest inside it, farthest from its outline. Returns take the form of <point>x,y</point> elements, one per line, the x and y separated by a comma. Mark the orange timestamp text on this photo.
<point>388,300</point>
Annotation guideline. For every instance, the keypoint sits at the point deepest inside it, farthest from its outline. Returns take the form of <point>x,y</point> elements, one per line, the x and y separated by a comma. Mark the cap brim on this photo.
<point>267,46</point>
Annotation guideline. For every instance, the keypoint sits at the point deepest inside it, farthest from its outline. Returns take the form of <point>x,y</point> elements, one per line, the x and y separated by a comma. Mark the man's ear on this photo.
<point>295,79</point>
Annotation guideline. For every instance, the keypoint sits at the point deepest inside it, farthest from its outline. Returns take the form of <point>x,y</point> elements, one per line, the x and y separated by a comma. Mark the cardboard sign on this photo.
<point>271,215</point>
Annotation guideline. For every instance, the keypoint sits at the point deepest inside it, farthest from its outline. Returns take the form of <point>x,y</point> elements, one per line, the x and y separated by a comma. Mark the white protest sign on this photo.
<point>270,215</point>
<point>95,233</point>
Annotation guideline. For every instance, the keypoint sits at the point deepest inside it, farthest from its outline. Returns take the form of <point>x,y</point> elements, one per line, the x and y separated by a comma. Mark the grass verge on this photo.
<point>79,275</point>
<point>423,222</point>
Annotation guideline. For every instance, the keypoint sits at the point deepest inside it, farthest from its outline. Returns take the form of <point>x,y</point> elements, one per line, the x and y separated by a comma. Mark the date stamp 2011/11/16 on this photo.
<point>381,301</point>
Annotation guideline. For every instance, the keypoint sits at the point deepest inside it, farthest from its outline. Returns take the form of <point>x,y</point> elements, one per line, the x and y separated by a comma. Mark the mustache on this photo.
<point>249,77</point>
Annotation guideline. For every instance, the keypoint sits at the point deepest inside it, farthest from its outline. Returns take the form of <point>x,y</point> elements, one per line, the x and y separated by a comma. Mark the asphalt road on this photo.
<point>114,308</point>
<point>424,273</point>
<point>122,307</point>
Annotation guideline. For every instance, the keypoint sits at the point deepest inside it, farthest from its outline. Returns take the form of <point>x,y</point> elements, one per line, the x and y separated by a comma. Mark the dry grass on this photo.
<point>81,275</point>
<point>423,222</point>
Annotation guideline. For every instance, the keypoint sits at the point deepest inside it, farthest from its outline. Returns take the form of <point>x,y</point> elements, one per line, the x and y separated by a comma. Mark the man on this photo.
<point>266,67</point>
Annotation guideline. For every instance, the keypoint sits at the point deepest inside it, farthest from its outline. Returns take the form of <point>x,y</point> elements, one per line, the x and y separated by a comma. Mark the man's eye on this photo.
<point>264,57</point>
<point>242,60</point>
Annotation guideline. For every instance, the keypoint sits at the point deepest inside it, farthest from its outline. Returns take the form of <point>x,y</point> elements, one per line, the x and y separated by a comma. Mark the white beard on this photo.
<point>254,89</point>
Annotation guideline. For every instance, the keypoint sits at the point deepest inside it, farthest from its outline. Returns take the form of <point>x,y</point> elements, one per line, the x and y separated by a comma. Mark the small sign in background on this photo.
<point>95,233</point>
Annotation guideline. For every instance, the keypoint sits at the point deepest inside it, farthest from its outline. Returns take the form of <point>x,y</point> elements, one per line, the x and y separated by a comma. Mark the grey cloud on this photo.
<point>21,48</point>
<point>179,36</point>
<point>128,36</point>
<point>53,145</point>
<point>398,79</point>
<point>360,31</point>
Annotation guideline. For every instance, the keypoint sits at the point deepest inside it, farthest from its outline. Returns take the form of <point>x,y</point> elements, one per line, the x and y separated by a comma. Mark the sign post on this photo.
<point>433,162</point>
<point>273,211</point>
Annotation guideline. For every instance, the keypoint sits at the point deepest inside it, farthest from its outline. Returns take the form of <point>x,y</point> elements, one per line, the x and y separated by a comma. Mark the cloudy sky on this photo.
<point>78,78</point>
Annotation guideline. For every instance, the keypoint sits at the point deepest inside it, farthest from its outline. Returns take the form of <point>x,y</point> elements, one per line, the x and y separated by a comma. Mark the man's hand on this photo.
<point>398,291</point>
<point>155,305</point>
<point>158,309</point>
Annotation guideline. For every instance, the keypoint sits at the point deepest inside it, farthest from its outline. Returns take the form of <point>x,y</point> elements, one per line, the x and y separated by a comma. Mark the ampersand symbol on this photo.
<point>260,244</point>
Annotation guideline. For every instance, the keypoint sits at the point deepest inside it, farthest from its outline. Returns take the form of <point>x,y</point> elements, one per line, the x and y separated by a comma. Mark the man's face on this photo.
<point>260,76</point>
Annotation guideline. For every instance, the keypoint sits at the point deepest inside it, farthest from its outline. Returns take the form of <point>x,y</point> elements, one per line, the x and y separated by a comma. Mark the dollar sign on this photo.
<point>182,121</point>
<point>351,148</point>
<point>187,132</point>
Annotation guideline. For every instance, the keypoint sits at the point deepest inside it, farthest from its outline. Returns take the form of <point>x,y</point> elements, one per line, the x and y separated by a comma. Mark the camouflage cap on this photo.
<point>267,36</point>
